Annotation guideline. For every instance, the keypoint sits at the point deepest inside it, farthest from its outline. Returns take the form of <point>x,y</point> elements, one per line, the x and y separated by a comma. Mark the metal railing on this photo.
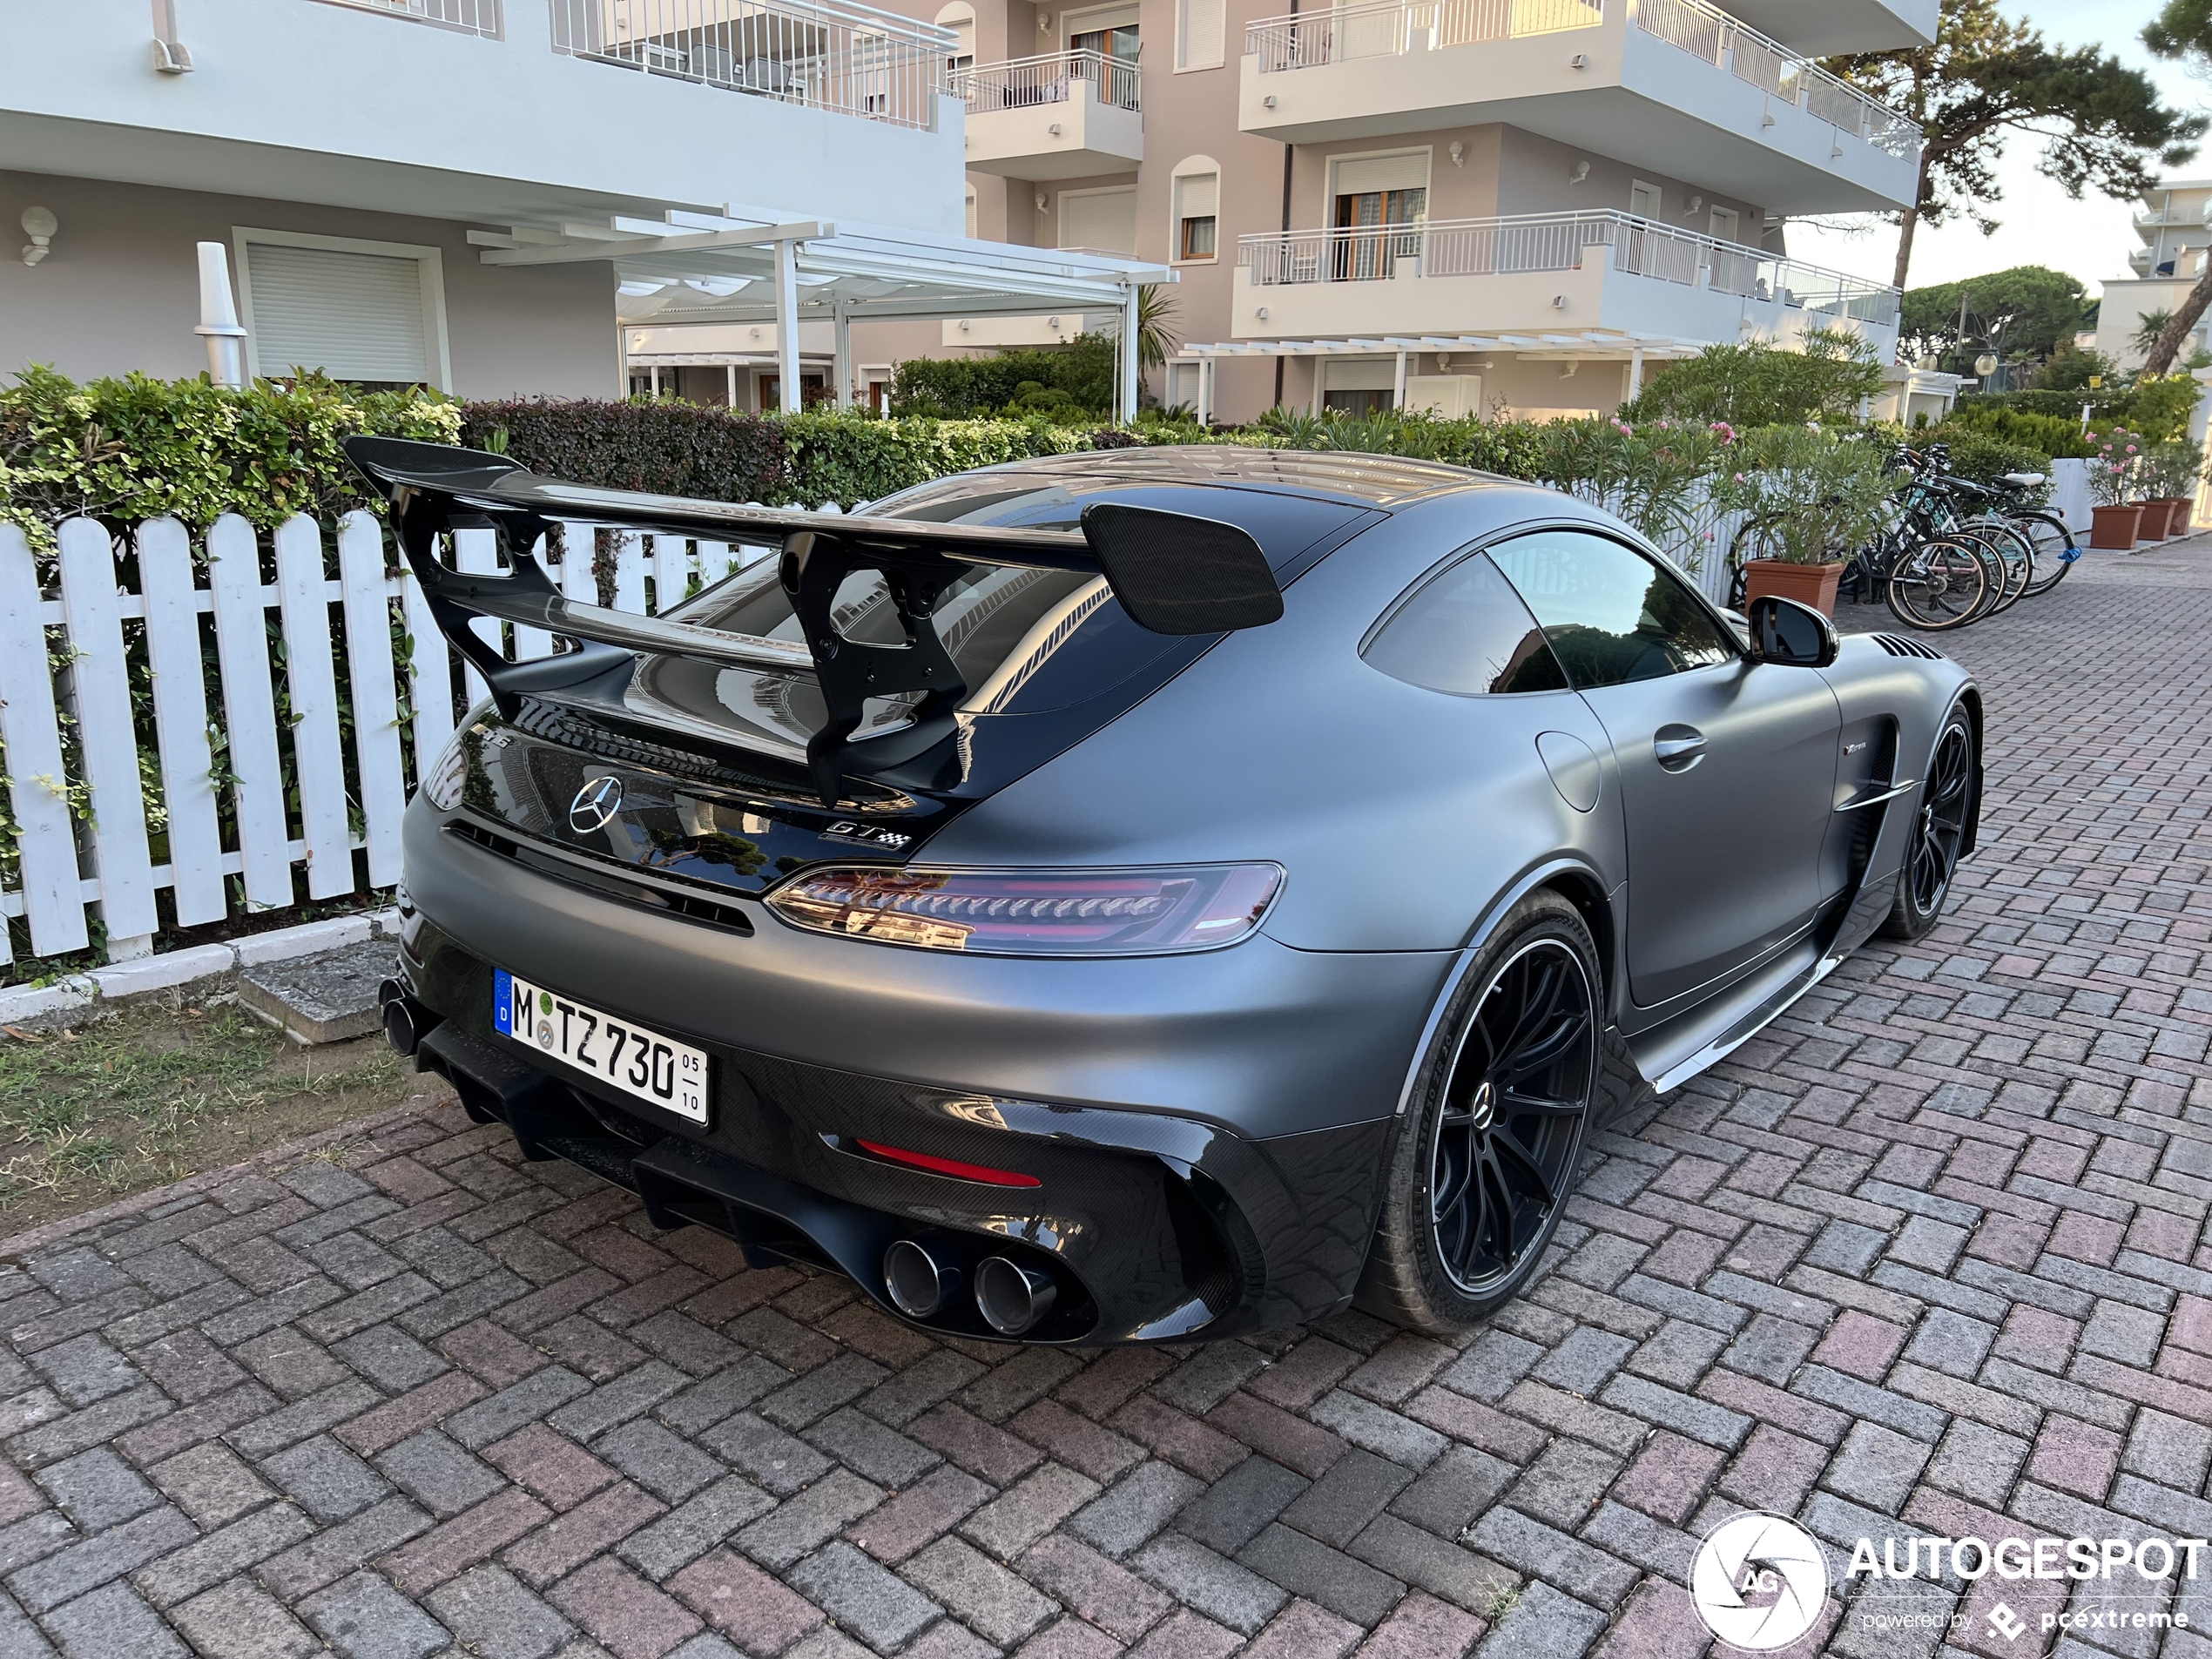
<point>831,55</point>
<point>1391,28</point>
<point>469,16</point>
<point>1704,30</point>
<point>1448,248</point>
<point>1387,28</point>
<point>1048,78</point>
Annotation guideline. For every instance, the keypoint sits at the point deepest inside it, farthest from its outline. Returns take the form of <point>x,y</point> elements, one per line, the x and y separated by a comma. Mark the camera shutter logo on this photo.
<point>1759,1581</point>
<point>595,806</point>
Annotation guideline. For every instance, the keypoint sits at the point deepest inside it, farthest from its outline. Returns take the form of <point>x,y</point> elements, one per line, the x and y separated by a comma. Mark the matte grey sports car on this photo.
<point>1142,895</point>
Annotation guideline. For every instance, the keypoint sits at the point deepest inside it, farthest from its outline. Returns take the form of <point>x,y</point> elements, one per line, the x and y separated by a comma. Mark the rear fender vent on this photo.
<point>1899,646</point>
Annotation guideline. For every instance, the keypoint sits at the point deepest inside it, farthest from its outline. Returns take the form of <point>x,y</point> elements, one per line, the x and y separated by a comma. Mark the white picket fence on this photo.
<point>83,840</point>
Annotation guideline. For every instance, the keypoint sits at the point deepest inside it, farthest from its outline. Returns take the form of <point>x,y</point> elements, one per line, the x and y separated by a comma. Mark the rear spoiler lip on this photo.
<point>433,488</point>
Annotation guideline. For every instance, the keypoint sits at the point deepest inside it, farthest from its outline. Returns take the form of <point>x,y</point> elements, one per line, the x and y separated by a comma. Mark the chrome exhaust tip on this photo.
<point>916,1284</point>
<point>404,1026</point>
<point>1012,1297</point>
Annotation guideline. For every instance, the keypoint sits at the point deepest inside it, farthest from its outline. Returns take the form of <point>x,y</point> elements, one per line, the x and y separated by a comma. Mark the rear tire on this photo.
<point>1939,586</point>
<point>1485,1156</point>
<point>1944,813</point>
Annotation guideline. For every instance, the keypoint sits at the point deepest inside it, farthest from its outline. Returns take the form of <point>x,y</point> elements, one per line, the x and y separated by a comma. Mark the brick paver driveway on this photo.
<point>1925,1257</point>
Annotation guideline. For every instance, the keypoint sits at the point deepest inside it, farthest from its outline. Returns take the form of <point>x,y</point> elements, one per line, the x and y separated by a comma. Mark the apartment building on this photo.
<point>2170,225</point>
<point>1458,205</point>
<point>469,193</point>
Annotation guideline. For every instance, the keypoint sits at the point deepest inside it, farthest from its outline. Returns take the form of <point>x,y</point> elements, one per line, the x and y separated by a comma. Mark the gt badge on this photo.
<point>867,834</point>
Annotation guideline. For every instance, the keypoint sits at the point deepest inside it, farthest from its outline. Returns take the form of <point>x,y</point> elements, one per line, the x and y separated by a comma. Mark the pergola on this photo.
<point>1597,344</point>
<point>752,265</point>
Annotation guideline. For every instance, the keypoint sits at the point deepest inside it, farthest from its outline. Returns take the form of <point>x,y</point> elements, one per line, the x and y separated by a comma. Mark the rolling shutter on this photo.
<point>1198,32</point>
<point>1198,195</point>
<point>1102,219</point>
<point>354,316</point>
<point>1365,173</point>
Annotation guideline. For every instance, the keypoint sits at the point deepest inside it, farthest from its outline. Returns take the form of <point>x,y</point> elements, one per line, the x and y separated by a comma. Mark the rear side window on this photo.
<point>1466,631</point>
<point>1611,614</point>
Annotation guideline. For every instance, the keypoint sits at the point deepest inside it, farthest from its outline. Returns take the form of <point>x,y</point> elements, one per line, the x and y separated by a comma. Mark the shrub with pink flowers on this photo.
<point>2116,466</point>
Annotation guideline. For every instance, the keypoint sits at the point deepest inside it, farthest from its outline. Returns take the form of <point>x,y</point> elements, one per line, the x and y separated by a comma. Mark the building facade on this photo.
<point>1459,205</point>
<point>2170,227</point>
<point>435,191</point>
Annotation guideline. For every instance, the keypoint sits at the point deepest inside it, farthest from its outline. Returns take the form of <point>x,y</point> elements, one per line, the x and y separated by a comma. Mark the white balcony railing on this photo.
<point>1454,247</point>
<point>469,17</point>
<point>832,55</point>
<point>1048,78</point>
<point>1391,28</point>
<point>1387,28</point>
<point>1704,30</point>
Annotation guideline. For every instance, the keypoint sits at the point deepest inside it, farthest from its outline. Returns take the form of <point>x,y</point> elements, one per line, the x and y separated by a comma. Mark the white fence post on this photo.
<point>107,740</point>
<point>249,711</point>
<point>318,759</point>
<point>376,712</point>
<point>180,722</point>
<point>52,892</point>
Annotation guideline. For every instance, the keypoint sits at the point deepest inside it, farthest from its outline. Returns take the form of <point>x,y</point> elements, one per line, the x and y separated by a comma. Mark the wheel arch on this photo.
<point>1970,703</point>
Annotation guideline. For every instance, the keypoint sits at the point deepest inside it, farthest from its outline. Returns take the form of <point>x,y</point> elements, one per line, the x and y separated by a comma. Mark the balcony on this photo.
<point>1823,28</point>
<point>1676,86</point>
<point>449,109</point>
<point>1058,115</point>
<point>1538,275</point>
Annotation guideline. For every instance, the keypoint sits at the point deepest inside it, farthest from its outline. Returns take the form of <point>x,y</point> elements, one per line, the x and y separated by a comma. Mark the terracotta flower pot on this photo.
<point>2114,528</point>
<point>1809,584</point>
<point>2156,512</point>
<point>2177,521</point>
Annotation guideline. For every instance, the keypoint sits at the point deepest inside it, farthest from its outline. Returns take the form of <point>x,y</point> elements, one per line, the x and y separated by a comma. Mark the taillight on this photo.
<point>1034,913</point>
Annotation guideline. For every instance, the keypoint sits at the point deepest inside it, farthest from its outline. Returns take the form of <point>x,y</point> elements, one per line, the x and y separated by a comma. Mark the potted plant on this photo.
<point>2170,472</point>
<point>2116,518</point>
<point>1824,495</point>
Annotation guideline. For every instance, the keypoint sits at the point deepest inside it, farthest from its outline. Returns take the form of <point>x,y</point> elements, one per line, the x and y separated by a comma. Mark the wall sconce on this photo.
<point>1261,313</point>
<point>1559,302</point>
<point>1459,153</point>
<point>1566,373</point>
<point>1044,22</point>
<point>170,55</point>
<point>1053,129</point>
<point>1044,203</point>
<point>1578,62</point>
<point>1268,103</point>
<point>1581,172</point>
<point>39,225</point>
<point>1696,202</point>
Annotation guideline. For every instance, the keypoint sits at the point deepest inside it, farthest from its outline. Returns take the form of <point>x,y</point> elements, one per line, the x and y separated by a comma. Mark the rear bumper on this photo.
<point>1159,1224</point>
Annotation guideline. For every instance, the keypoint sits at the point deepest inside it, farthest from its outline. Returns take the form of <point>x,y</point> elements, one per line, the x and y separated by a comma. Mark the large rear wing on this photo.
<point>1173,573</point>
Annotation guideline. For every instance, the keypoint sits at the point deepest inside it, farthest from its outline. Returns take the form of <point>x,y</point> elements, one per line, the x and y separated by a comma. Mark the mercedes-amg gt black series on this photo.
<point>1140,895</point>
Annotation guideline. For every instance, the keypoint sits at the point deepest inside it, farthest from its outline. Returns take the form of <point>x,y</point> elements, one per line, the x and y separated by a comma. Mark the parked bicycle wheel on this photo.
<point>1939,586</point>
<point>2015,559</point>
<point>1755,538</point>
<point>2053,546</point>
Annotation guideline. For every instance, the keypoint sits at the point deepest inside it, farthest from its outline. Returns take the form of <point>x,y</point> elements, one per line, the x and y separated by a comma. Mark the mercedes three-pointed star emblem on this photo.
<point>595,806</point>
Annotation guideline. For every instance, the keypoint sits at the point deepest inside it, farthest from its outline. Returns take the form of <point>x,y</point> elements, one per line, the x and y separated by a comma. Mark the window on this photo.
<point>1197,203</point>
<point>1644,200</point>
<point>1466,632</point>
<point>960,19</point>
<point>1198,34</point>
<point>1611,614</point>
<point>1101,220</point>
<point>1382,200</point>
<point>372,313</point>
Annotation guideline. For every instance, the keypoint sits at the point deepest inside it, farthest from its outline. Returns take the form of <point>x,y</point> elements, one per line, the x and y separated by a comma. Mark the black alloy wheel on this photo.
<point>1485,1157</point>
<point>1503,1150</point>
<point>1937,832</point>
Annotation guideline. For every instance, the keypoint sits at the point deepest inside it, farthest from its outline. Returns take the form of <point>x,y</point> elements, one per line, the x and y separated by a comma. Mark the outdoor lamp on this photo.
<point>39,225</point>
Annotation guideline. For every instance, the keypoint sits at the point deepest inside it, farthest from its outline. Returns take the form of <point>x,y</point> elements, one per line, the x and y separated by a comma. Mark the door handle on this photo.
<point>1677,748</point>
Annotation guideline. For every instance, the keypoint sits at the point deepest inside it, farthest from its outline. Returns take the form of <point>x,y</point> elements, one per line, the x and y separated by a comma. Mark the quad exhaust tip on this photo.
<point>917,1284</point>
<point>1012,1297</point>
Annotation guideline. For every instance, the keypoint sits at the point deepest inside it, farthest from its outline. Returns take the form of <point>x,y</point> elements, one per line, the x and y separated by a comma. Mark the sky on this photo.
<point>2040,224</point>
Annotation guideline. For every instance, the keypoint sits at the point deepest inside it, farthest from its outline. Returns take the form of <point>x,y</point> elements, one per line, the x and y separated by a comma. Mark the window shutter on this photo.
<point>1198,195</point>
<point>1367,173</point>
<point>354,316</point>
<point>1198,34</point>
<point>1104,219</point>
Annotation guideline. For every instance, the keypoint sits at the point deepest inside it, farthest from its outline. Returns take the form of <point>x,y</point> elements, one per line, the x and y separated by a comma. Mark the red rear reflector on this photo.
<point>948,1166</point>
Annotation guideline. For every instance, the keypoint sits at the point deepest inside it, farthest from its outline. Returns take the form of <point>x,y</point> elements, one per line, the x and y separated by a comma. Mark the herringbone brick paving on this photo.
<point>1926,1256</point>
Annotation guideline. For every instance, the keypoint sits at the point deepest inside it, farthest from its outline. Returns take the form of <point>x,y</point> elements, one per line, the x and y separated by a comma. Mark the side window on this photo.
<point>1611,614</point>
<point>1466,631</point>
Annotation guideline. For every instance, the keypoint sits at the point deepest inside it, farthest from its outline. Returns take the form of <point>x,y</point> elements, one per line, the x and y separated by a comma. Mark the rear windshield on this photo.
<point>1024,641</point>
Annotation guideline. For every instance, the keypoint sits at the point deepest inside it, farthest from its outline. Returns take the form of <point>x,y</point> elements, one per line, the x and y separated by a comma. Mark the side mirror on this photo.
<point>1786,632</point>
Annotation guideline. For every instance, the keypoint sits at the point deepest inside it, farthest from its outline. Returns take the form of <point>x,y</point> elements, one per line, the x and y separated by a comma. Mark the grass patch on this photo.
<point>132,1102</point>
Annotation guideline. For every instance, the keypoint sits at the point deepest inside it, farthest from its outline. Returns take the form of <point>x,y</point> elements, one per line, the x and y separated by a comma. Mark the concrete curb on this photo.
<point>53,1232</point>
<point>203,968</point>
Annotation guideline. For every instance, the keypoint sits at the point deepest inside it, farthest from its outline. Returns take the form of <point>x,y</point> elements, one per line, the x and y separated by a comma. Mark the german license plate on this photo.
<point>656,1070</point>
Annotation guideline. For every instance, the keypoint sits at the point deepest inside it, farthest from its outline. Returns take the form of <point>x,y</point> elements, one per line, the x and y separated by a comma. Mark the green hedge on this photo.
<point>134,448</point>
<point>664,446</point>
<point>2049,435</point>
<point>1073,385</point>
<point>2158,408</point>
